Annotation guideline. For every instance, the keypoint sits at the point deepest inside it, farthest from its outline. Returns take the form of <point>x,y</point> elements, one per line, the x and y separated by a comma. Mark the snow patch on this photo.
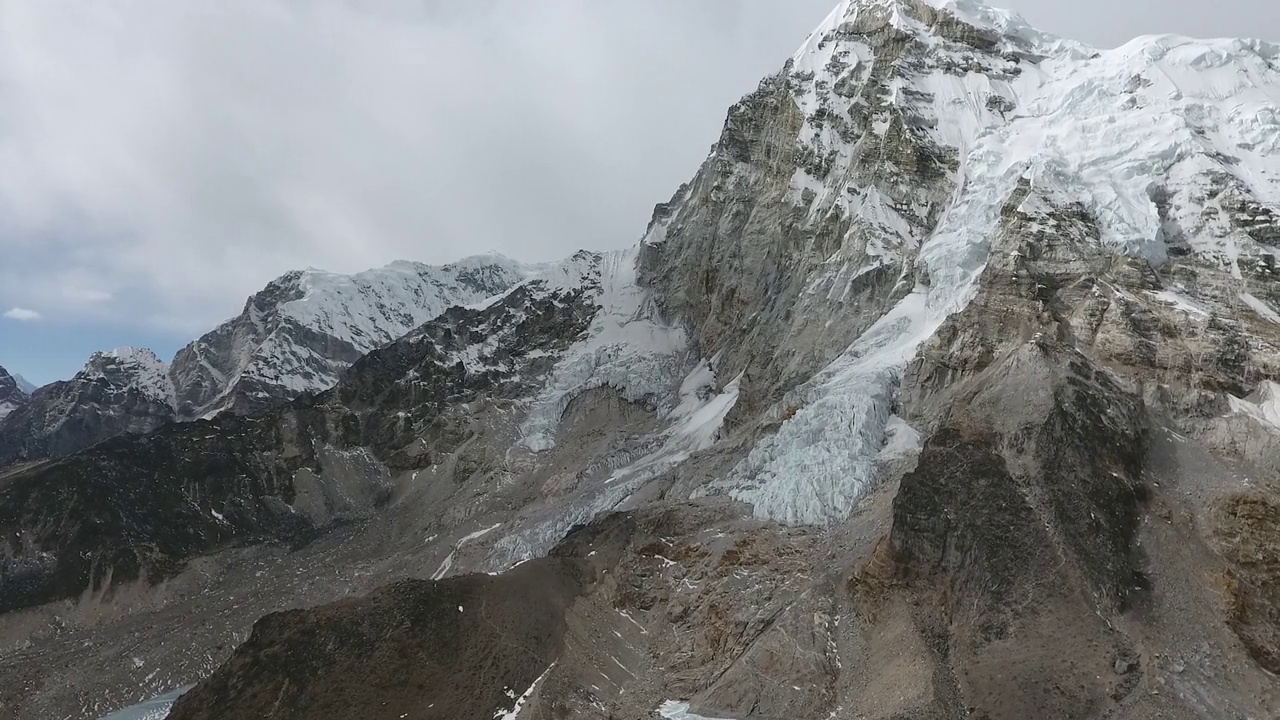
<point>1263,405</point>
<point>675,710</point>
<point>154,709</point>
<point>1180,302</point>
<point>1260,307</point>
<point>514,712</point>
<point>447,564</point>
<point>902,440</point>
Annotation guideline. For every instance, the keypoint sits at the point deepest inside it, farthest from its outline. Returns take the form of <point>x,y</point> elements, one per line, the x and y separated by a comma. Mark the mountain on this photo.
<point>305,328</point>
<point>25,385</point>
<point>13,393</point>
<point>122,391</point>
<point>294,337</point>
<point>945,388</point>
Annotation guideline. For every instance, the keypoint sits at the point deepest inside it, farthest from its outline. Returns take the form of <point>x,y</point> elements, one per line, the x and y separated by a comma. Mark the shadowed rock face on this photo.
<point>999,538</point>
<point>468,647</point>
<point>11,395</point>
<point>433,650</point>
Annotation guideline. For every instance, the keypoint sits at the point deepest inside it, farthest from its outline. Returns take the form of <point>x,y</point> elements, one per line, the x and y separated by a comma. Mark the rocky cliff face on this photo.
<point>946,388</point>
<point>12,393</point>
<point>295,337</point>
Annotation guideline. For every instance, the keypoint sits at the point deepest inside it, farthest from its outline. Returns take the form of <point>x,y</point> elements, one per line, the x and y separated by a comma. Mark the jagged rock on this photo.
<point>121,391</point>
<point>13,394</point>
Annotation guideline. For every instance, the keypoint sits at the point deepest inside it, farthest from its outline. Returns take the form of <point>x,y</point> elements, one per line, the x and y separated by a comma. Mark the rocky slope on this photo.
<point>295,337</point>
<point>946,388</point>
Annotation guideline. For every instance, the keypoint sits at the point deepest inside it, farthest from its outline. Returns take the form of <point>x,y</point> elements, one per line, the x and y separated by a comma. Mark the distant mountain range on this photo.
<point>296,336</point>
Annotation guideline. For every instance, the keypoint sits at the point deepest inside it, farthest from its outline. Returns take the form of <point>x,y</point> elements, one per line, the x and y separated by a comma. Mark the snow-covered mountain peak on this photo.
<point>137,368</point>
<point>25,385</point>
<point>304,328</point>
<point>931,21</point>
<point>371,308</point>
<point>1136,133</point>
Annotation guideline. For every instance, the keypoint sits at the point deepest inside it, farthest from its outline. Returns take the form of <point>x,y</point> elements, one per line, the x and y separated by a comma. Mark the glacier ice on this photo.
<point>628,347</point>
<point>1082,129</point>
<point>675,710</point>
<point>156,708</point>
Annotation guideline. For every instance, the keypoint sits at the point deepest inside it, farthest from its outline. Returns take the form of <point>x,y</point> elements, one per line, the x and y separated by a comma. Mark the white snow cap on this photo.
<point>372,308</point>
<point>1006,24</point>
<point>367,310</point>
<point>139,368</point>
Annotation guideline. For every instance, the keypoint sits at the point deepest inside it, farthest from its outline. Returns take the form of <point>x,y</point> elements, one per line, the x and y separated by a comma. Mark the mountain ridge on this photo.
<point>294,337</point>
<point>943,389</point>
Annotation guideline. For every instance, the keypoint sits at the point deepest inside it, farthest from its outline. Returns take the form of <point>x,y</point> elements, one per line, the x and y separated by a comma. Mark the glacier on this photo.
<point>156,708</point>
<point>629,347</point>
<point>1083,128</point>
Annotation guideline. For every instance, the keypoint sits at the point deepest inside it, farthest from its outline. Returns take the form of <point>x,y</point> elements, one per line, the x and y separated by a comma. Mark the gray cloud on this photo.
<point>160,160</point>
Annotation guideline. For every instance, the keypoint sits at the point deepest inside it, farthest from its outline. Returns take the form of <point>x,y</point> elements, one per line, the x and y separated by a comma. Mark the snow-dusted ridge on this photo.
<point>297,336</point>
<point>132,368</point>
<point>305,328</point>
<point>370,309</point>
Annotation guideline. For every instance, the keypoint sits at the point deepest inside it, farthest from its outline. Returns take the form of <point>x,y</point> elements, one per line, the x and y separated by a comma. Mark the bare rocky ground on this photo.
<point>699,603</point>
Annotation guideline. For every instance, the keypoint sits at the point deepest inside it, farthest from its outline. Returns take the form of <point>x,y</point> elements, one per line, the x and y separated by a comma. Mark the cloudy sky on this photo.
<point>161,160</point>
